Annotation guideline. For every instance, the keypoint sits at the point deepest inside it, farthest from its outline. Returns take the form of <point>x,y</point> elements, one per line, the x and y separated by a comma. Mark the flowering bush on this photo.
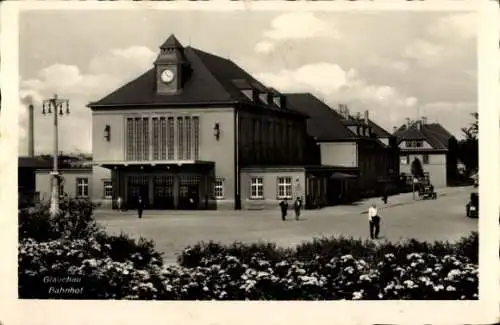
<point>419,275</point>
<point>103,266</point>
<point>74,259</point>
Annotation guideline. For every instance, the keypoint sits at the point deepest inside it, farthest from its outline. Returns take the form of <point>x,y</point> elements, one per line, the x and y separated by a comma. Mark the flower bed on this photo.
<point>227,277</point>
<point>117,267</point>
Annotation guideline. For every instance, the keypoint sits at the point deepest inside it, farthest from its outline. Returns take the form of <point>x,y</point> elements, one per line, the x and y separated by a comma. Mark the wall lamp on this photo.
<point>107,133</point>
<point>217,130</point>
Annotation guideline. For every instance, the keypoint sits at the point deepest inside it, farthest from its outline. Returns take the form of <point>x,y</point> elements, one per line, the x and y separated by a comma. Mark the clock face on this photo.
<point>167,76</point>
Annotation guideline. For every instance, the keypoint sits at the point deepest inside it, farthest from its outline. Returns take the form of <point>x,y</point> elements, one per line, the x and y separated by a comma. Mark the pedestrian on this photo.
<point>297,206</point>
<point>374,220</point>
<point>140,206</point>
<point>284,208</point>
<point>385,195</point>
<point>119,203</point>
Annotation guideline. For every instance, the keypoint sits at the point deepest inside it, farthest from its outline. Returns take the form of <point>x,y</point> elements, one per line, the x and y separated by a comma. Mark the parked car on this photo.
<point>472,207</point>
<point>427,192</point>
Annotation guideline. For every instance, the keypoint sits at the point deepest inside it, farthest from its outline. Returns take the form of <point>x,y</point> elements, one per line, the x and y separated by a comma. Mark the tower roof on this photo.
<point>171,42</point>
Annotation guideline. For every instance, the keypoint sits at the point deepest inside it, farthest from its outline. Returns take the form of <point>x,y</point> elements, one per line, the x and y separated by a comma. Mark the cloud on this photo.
<point>455,26</point>
<point>423,50</point>
<point>264,47</point>
<point>295,26</point>
<point>105,73</point>
<point>335,85</point>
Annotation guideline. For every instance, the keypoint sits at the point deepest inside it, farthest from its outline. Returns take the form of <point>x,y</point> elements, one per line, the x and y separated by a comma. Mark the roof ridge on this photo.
<point>334,113</point>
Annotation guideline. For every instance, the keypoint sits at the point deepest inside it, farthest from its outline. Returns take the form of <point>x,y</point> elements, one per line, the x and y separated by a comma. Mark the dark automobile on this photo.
<point>427,192</point>
<point>472,207</point>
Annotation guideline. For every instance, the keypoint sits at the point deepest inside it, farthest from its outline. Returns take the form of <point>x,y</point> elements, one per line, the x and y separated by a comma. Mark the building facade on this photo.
<point>182,135</point>
<point>433,145</point>
<point>359,162</point>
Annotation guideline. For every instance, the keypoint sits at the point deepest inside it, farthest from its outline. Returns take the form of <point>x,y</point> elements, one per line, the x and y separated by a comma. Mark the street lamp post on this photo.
<point>54,106</point>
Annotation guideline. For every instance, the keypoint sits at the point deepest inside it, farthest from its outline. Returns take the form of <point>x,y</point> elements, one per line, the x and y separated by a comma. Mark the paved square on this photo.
<point>402,218</point>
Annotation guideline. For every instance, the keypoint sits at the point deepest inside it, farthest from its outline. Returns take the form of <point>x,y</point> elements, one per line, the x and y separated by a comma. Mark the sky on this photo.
<point>394,64</point>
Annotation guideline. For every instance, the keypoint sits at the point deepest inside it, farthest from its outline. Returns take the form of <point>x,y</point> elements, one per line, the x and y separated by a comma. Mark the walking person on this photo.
<point>284,208</point>
<point>385,195</point>
<point>297,205</point>
<point>119,203</point>
<point>374,220</point>
<point>140,206</point>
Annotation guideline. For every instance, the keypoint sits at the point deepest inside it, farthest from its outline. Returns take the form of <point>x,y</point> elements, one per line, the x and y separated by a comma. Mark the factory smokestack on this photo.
<point>31,132</point>
<point>28,101</point>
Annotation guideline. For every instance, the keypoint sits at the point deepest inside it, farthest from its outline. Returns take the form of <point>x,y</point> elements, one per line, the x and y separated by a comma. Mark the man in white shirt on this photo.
<point>374,220</point>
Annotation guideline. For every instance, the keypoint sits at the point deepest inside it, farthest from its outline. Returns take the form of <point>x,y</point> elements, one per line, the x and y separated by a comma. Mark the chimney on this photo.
<point>344,111</point>
<point>255,95</point>
<point>31,131</point>
<point>358,116</point>
<point>424,120</point>
<point>282,101</point>
<point>419,125</point>
<point>366,118</point>
<point>270,98</point>
<point>394,129</point>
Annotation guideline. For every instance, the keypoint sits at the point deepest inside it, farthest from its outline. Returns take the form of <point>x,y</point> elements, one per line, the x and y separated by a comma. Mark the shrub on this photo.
<point>108,273</point>
<point>104,267</point>
<point>326,248</point>
<point>69,252</point>
<point>74,220</point>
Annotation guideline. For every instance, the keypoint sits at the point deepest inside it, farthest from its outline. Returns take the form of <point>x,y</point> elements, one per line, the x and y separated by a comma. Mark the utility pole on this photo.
<point>54,106</point>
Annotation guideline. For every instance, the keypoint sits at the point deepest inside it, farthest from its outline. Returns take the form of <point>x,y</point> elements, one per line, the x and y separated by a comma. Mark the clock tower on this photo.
<point>170,66</point>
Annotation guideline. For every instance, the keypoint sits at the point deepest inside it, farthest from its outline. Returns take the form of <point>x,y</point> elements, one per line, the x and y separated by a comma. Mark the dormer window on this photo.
<point>414,143</point>
<point>263,97</point>
<point>248,93</point>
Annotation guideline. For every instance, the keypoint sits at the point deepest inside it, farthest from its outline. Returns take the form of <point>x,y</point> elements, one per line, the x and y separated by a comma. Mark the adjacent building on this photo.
<point>364,156</point>
<point>433,145</point>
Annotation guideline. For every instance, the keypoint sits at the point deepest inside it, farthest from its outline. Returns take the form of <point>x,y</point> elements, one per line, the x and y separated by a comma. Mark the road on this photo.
<point>402,218</point>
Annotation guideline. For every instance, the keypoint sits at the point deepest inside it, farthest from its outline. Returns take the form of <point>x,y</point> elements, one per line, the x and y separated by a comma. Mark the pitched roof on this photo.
<point>434,133</point>
<point>378,130</point>
<point>213,80</point>
<point>324,122</point>
<point>171,42</point>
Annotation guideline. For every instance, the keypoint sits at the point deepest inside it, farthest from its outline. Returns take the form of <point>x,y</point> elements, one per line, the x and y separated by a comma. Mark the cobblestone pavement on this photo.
<point>402,218</point>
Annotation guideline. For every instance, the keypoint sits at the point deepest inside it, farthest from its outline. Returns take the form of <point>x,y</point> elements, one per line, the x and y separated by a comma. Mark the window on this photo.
<point>156,139</point>
<point>256,188</point>
<point>284,187</point>
<point>180,138</point>
<point>425,159</point>
<point>163,138</point>
<point>414,143</point>
<point>187,122</point>
<point>82,187</point>
<point>196,136</point>
<point>219,188</point>
<point>405,159</point>
<point>170,138</point>
<point>108,190</point>
<point>137,139</point>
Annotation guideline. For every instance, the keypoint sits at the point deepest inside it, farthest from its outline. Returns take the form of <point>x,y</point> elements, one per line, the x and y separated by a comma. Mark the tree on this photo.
<point>471,131</point>
<point>416,168</point>
<point>468,148</point>
<point>417,171</point>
